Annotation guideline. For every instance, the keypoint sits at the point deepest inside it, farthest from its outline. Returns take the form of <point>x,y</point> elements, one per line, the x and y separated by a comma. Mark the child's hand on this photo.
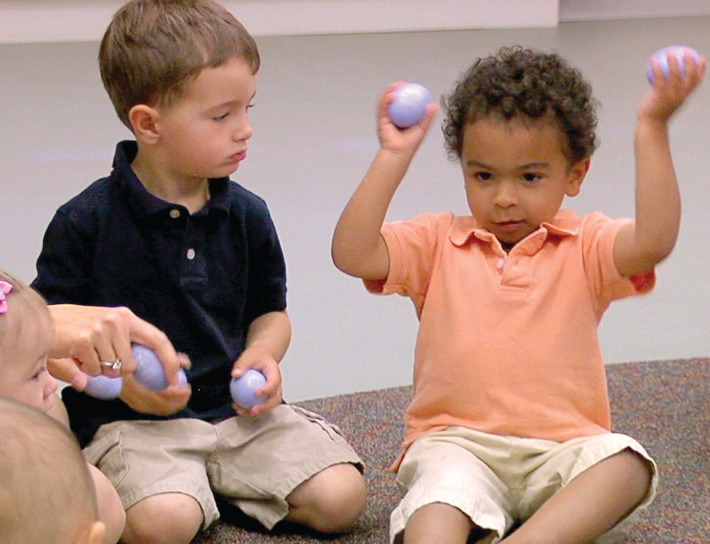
<point>401,140</point>
<point>272,392</point>
<point>667,95</point>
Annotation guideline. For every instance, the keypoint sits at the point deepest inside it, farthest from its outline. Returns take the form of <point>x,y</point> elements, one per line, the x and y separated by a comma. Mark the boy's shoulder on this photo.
<point>90,202</point>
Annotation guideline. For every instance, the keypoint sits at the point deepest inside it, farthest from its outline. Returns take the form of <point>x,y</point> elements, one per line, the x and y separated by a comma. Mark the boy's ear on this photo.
<point>577,173</point>
<point>143,120</point>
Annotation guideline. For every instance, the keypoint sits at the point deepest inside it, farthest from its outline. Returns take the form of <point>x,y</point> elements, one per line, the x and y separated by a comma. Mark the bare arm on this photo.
<point>652,236</point>
<point>357,247</point>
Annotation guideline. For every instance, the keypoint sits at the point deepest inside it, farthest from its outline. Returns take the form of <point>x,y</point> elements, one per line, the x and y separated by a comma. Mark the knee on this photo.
<point>168,518</point>
<point>331,501</point>
<point>639,472</point>
<point>111,511</point>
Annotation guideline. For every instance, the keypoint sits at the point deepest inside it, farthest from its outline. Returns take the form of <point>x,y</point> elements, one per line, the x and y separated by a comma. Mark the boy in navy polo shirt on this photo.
<point>168,235</point>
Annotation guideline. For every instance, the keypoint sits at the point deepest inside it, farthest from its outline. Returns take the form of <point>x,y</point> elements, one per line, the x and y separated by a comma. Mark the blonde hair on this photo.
<point>153,48</point>
<point>21,298</point>
<point>46,491</point>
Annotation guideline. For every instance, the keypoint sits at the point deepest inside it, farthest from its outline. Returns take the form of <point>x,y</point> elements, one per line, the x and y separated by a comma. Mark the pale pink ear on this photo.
<point>5,288</point>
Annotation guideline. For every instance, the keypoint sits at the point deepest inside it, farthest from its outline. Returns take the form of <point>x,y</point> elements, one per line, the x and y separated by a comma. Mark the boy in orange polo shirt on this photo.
<point>509,423</point>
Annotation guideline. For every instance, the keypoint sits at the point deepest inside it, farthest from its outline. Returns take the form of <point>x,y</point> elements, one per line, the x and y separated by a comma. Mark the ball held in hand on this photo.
<point>243,388</point>
<point>661,56</point>
<point>149,372</point>
<point>104,387</point>
<point>409,104</point>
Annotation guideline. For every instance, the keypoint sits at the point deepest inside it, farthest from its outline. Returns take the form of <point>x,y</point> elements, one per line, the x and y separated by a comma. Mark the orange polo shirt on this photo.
<point>508,343</point>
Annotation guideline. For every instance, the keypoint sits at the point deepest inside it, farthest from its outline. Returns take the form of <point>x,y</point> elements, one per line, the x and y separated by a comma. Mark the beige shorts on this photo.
<point>253,463</point>
<point>499,480</point>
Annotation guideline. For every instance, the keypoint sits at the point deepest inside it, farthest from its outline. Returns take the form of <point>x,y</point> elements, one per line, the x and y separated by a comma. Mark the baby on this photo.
<point>25,334</point>
<point>46,493</point>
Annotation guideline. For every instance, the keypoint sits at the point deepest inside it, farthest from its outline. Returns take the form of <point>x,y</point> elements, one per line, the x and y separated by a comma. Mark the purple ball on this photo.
<point>661,56</point>
<point>103,387</point>
<point>243,389</point>
<point>149,372</point>
<point>409,104</point>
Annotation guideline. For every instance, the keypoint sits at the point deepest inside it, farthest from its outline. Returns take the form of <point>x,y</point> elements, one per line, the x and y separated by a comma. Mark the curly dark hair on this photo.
<point>518,82</point>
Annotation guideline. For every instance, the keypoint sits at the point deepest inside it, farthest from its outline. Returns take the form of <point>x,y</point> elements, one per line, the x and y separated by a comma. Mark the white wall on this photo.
<point>314,138</point>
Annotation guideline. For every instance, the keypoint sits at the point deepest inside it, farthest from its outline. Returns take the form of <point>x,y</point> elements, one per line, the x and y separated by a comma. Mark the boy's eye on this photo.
<point>531,178</point>
<point>221,117</point>
<point>483,176</point>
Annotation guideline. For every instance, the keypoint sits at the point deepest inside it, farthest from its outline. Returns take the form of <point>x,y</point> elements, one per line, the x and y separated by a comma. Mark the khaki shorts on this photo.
<point>253,463</point>
<point>499,480</point>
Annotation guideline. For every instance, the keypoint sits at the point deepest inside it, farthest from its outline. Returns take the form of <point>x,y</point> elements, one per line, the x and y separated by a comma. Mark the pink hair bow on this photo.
<point>5,288</point>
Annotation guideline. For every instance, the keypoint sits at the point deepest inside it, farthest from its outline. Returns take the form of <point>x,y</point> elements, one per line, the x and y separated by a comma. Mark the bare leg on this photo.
<point>437,522</point>
<point>168,518</point>
<point>590,505</point>
<point>111,511</point>
<point>330,501</point>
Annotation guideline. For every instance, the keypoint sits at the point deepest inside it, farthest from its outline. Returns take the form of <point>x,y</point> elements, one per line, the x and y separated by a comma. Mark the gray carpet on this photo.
<point>663,404</point>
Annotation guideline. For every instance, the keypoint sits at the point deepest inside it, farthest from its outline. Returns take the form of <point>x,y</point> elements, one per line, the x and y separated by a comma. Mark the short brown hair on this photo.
<point>152,48</point>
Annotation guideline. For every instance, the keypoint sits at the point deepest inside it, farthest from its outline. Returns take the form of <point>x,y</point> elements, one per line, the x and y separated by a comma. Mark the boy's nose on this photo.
<point>243,132</point>
<point>505,195</point>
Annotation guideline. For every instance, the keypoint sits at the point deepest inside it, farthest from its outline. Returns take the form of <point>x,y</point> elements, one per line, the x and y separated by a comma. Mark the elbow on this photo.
<point>344,258</point>
<point>343,262</point>
<point>654,254</point>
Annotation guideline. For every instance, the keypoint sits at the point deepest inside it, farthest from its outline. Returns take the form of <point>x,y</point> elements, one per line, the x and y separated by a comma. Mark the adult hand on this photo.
<point>88,335</point>
<point>158,403</point>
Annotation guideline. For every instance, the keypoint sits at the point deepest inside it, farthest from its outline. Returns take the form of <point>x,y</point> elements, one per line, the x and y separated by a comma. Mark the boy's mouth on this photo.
<point>239,157</point>
<point>507,226</point>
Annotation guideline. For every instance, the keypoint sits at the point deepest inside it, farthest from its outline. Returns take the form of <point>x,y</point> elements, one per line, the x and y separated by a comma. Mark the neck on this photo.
<point>193,193</point>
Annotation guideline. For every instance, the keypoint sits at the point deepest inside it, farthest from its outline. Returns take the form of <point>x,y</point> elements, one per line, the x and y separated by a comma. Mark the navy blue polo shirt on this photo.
<point>202,278</point>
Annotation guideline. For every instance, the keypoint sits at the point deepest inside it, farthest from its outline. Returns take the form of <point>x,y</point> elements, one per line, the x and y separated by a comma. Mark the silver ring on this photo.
<point>113,365</point>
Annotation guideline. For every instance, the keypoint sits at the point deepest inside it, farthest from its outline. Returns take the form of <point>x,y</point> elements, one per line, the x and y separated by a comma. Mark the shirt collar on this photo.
<point>147,204</point>
<point>465,229</point>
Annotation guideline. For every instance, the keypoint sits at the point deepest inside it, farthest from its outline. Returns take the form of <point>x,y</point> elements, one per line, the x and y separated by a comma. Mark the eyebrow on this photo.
<point>231,102</point>
<point>528,166</point>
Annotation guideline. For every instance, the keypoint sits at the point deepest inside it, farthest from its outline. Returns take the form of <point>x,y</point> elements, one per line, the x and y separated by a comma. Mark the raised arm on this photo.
<point>358,248</point>
<point>651,237</point>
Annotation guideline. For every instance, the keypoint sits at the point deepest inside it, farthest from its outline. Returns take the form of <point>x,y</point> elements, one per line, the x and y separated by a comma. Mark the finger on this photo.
<point>184,360</point>
<point>86,357</point>
<point>66,369</point>
<point>431,110</point>
<point>142,332</point>
<point>111,338</point>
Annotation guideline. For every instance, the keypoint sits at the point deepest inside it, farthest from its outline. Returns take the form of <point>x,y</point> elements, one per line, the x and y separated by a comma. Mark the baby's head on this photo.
<point>46,492</point>
<point>25,334</point>
<point>153,48</point>
<point>528,86</point>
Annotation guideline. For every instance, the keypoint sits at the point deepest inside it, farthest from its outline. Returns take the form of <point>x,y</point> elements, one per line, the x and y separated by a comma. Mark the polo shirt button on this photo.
<point>190,253</point>
<point>174,213</point>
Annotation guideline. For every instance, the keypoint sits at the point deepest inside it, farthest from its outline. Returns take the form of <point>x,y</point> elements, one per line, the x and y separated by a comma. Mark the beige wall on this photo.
<point>314,138</point>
